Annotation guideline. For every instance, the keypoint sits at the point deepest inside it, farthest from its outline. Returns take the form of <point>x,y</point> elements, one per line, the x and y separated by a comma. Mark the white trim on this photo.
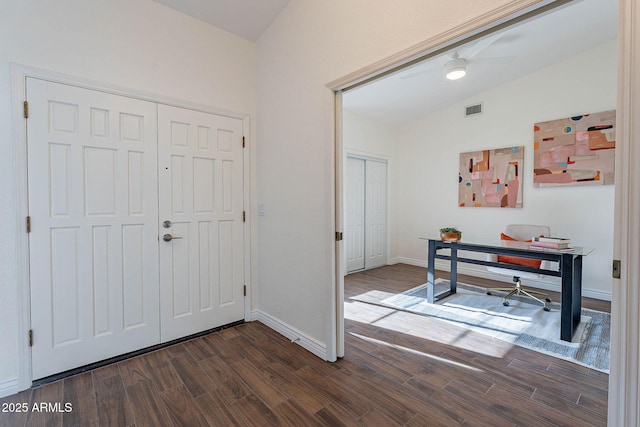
<point>56,77</point>
<point>19,73</point>
<point>410,261</point>
<point>18,95</point>
<point>340,222</point>
<point>291,333</point>
<point>332,250</point>
<point>247,203</point>
<point>624,378</point>
<point>364,155</point>
<point>9,387</point>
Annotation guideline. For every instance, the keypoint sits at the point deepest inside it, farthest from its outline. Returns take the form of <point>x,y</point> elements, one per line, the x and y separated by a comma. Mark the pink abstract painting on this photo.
<point>491,178</point>
<point>577,150</point>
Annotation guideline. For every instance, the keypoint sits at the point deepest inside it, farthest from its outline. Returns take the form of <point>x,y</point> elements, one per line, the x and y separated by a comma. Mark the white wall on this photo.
<point>136,44</point>
<point>429,153</point>
<point>364,137</point>
<point>309,45</point>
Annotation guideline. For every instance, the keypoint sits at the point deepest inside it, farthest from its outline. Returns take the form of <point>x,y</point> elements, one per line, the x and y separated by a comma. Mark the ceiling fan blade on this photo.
<point>482,45</point>
<point>428,68</point>
<point>494,60</point>
<point>415,74</point>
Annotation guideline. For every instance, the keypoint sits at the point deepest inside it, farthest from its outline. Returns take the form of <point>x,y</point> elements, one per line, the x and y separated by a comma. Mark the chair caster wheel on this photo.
<point>546,308</point>
<point>547,299</point>
<point>505,303</point>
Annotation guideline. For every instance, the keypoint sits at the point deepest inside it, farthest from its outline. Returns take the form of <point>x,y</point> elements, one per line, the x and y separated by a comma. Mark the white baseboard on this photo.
<point>291,333</point>
<point>9,387</point>
<point>410,261</point>
<point>471,270</point>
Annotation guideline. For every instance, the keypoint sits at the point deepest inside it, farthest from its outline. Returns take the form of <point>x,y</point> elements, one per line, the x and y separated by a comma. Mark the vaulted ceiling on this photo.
<point>245,18</point>
<point>416,91</point>
<point>498,58</point>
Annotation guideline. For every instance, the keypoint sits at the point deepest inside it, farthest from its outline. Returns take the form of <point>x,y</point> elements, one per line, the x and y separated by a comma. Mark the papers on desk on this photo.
<point>557,243</point>
<point>546,249</point>
<point>549,239</point>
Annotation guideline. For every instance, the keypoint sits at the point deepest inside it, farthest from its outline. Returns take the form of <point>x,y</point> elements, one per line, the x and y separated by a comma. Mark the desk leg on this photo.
<point>453,275</point>
<point>431,270</point>
<point>576,306</point>
<point>566,311</point>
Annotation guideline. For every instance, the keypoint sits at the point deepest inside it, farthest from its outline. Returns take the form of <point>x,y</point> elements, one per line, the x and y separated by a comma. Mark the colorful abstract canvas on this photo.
<point>491,178</point>
<point>577,150</point>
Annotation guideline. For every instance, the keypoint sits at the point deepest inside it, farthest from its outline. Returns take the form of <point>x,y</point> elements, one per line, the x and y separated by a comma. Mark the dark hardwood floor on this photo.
<point>399,369</point>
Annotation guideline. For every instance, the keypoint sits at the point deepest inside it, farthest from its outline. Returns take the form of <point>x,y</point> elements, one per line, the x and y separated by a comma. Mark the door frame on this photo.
<point>19,74</point>
<point>625,328</point>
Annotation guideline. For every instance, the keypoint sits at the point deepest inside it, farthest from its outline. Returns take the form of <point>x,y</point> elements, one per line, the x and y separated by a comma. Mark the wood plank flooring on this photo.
<point>399,369</point>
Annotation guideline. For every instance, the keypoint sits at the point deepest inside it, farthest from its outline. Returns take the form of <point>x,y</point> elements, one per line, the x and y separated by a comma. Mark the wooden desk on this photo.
<point>569,270</point>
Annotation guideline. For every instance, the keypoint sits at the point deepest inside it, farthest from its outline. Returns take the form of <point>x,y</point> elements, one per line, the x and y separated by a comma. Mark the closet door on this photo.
<point>375,214</point>
<point>93,243</point>
<point>355,221</point>
<point>200,169</point>
<point>366,213</point>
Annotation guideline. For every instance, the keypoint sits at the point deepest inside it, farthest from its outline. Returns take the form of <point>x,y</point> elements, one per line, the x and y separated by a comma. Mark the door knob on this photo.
<point>168,237</point>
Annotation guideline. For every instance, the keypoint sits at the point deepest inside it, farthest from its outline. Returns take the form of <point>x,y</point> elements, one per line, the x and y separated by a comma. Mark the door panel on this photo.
<point>376,214</point>
<point>355,200</point>
<point>201,193</point>
<point>93,246</point>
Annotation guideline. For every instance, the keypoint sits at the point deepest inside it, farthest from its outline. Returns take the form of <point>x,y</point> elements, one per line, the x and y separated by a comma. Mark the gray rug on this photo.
<point>523,323</point>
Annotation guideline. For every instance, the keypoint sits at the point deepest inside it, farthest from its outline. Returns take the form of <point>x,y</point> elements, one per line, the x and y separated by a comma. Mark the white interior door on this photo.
<point>375,214</point>
<point>366,214</point>
<point>355,221</point>
<point>93,245</point>
<point>200,175</point>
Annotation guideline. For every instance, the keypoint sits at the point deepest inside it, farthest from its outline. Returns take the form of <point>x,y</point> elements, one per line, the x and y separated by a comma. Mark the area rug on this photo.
<point>523,322</point>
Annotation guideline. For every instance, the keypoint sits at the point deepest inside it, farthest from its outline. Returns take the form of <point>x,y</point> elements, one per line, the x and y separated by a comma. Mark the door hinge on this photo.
<point>338,236</point>
<point>244,290</point>
<point>30,337</point>
<point>28,224</point>
<point>244,216</point>
<point>243,142</point>
<point>616,269</point>
<point>26,109</point>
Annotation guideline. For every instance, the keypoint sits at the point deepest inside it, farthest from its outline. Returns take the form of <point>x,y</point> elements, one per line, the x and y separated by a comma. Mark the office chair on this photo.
<point>523,233</point>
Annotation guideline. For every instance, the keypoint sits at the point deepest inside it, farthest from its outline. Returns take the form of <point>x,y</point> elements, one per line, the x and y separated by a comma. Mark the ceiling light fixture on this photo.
<point>456,68</point>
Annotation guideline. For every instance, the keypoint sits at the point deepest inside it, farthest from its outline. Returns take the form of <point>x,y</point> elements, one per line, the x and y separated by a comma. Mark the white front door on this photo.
<point>200,173</point>
<point>102,170</point>
<point>93,244</point>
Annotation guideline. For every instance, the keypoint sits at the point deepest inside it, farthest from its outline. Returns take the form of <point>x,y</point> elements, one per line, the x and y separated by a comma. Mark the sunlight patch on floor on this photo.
<point>417,352</point>
<point>425,327</point>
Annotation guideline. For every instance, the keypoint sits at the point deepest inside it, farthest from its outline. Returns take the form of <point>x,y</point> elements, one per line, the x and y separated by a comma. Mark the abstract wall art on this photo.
<point>491,178</point>
<point>577,150</point>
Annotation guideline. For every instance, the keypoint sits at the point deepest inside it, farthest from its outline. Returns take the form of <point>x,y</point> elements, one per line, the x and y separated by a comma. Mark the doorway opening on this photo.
<point>428,133</point>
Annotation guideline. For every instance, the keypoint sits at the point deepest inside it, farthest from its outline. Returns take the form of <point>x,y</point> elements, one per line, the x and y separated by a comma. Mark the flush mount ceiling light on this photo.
<point>456,68</point>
